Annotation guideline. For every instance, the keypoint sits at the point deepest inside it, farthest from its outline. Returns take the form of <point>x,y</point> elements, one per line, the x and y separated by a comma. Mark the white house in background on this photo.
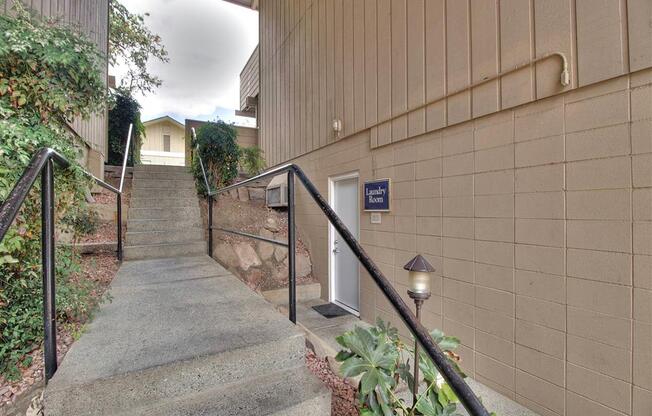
<point>164,142</point>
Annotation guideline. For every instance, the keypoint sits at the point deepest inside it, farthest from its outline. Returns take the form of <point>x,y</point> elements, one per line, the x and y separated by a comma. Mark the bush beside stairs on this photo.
<point>182,335</point>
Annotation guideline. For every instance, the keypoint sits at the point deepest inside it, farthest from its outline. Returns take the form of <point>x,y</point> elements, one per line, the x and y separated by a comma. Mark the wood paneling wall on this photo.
<point>363,61</point>
<point>249,83</point>
<point>91,17</point>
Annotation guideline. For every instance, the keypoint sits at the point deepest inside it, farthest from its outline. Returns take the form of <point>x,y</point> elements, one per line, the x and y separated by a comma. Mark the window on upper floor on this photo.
<point>166,142</point>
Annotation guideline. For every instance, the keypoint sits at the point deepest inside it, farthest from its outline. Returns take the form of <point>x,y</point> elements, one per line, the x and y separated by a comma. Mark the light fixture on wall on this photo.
<point>337,127</point>
<point>419,272</point>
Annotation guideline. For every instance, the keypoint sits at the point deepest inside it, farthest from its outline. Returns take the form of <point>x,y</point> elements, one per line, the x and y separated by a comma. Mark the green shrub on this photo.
<point>124,111</point>
<point>48,74</point>
<point>382,359</point>
<point>81,220</point>
<point>252,160</point>
<point>219,150</point>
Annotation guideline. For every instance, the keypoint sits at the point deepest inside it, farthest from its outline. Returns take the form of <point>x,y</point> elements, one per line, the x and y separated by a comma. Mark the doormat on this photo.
<point>330,310</point>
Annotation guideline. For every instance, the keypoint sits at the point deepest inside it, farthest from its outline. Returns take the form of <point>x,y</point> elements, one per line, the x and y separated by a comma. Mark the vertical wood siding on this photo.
<point>362,61</point>
<point>91,17</point>
<point>249,84</point>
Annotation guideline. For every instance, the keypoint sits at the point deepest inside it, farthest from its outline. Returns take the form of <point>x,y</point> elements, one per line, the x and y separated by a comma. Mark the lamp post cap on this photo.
<point>419,264</point>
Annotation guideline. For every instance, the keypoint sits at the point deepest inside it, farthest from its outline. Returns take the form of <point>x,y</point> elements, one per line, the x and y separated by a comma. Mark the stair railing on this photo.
<point>209,193</point>
<point>467,397</point>
<point>42,164</point>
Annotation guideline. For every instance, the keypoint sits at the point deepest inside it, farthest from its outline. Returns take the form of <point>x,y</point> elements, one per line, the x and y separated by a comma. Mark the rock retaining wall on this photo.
<point>261,265</point>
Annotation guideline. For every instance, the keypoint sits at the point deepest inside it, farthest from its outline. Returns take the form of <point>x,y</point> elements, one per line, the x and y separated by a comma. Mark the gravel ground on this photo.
<point>343,401</point>
<point>100,268</point>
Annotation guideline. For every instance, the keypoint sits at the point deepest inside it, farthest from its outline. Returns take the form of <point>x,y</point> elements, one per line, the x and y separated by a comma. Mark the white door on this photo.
<point>345,277</point>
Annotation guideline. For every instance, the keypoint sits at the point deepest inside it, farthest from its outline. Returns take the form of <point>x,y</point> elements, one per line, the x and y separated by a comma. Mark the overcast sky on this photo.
<point>208,41</point>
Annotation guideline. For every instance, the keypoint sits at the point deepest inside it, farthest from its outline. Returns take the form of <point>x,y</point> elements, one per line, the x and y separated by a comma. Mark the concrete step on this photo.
<point>171,213</point>
<point>158,251</point>
<point>162,202</point>
<point>135,238</point>
<point>183,336</point>
<point>160,168</point>
<point>162,175</point>
<point>165,192</point>
<point>293,392</point>
<point>170,184</point>
<point>146,389</point>
<point>162,224</point>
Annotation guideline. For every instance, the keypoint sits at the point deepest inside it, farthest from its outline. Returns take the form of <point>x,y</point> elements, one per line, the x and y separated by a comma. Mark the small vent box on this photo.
<point>276,194</point>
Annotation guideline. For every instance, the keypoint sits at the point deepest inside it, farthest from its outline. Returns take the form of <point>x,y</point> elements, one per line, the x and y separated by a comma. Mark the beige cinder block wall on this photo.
<point>532,200</point>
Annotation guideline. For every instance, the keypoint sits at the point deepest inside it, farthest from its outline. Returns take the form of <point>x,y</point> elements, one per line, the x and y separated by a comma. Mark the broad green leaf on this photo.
<point>354,366</point>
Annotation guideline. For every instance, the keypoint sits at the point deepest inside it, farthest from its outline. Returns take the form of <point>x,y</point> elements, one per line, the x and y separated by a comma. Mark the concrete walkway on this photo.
<point>182,336</point>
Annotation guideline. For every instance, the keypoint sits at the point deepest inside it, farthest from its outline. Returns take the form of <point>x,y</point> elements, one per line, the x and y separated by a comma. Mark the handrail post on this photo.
<point>119,201</point>
<point>210,224</point>
<point>48,269</point>
<point>292,281</point>
<point>125,157</point>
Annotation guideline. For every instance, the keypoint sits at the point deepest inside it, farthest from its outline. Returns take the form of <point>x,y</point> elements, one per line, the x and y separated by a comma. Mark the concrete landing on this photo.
<point>182,336</point>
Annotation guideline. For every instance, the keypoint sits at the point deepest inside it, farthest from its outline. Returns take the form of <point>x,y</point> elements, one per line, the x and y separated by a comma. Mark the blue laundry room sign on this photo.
<point>376,195</point>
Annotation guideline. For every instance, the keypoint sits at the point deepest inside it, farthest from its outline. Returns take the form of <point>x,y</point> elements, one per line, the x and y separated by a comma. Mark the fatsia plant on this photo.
<point>382,361</point>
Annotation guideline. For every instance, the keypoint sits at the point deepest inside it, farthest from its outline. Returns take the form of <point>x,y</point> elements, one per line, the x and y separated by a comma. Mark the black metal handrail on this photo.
<point>42,164</point>
<point>209,193</point>
<point>467,397</point>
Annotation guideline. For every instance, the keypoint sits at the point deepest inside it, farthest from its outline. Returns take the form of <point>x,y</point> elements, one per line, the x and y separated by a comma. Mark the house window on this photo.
<point>166,142</point>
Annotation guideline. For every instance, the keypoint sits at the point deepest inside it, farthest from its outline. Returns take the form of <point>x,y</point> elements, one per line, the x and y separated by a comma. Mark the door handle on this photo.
<point>335,247</point>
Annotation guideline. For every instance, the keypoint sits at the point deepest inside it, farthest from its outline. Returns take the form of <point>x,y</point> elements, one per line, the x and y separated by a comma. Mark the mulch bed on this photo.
<point>343,394</point>
<point>106,233</point>
<point>100,268</point>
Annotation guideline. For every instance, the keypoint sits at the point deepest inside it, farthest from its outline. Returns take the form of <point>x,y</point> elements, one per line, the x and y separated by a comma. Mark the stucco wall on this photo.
<point>539,223</point>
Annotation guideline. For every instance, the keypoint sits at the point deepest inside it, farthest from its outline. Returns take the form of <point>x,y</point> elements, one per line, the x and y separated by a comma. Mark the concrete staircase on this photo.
<point>164,218</point>
<point>182,336</point>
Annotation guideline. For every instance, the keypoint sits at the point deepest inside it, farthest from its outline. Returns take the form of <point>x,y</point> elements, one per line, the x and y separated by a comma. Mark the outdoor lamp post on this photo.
<point>419,290</point>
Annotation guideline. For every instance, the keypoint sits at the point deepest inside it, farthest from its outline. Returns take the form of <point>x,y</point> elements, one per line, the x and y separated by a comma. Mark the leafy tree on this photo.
<point>218,148</point>
<point>49,74</point>
<point>132,43</point>
<point>125,110</point>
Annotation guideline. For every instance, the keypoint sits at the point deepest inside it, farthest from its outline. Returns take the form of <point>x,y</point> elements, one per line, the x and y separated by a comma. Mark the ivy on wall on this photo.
<point>217,144</point>
<point>124,111</point>
<point>49,75</point>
